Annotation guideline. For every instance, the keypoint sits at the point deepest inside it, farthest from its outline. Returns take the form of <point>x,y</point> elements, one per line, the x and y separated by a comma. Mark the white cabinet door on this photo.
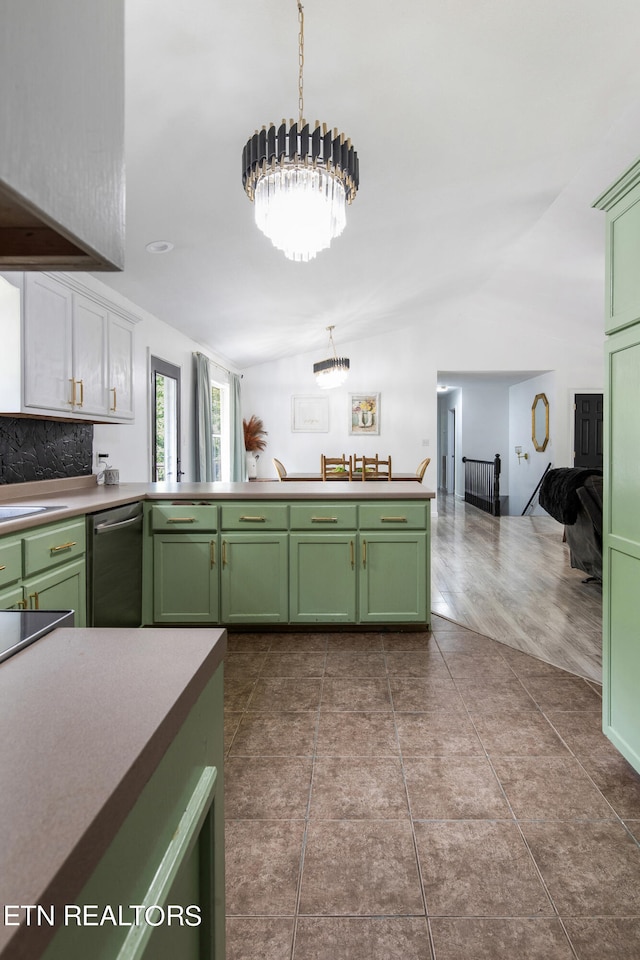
<point>90,357</point>
<point>48,376</point>
<point>120,379</point>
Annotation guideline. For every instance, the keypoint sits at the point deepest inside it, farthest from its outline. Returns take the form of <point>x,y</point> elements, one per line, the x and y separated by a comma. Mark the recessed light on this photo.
<point>159,246</point>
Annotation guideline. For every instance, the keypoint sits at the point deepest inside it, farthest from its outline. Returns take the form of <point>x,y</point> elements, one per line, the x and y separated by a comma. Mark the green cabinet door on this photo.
<point>621,546</point>
<point>12,598</point>
<point>393,578</point>
<point>323,583</point>
<point>168,855</point>
<point>63,588</point>
<point>185,581</point>
<point>254,582</point>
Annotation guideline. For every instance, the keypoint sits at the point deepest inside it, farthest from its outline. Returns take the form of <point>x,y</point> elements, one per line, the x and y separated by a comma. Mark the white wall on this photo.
<point>524,476</point>
<point>383,365</point>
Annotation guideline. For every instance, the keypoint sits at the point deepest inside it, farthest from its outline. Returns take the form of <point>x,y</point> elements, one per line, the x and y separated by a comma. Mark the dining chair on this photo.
<point>375,468</point>
<point>336,468</point>
<point>422,466</point>
<point>356,463</point>
<point>280,469</point>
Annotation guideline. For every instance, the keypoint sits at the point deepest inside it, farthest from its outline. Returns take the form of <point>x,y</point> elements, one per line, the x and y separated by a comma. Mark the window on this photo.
<point>216,429</point>
<point>220,431</point>
<point>165,411</point>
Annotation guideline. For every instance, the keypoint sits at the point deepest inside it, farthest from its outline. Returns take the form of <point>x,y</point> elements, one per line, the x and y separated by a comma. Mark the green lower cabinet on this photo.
<point>167,857</point>
<point>254,581</point>
<point>393,578</point>
<point>323,578</point>
<point>63,588</point>
<point>185,581</point>
<point>12,599</point>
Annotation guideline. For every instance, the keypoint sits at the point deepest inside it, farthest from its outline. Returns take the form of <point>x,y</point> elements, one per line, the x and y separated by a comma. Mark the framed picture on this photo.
<point>310,414</point>
<point>364,413</point>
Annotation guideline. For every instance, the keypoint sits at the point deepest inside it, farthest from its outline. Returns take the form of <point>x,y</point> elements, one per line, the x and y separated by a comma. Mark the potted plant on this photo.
<point>254,442</point>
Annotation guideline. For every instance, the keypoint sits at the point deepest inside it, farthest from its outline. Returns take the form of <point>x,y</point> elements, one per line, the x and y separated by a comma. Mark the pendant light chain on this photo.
<point>300,62</point>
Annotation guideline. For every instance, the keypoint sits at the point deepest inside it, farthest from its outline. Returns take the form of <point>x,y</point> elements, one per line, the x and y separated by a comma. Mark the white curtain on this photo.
<point>203,438</point>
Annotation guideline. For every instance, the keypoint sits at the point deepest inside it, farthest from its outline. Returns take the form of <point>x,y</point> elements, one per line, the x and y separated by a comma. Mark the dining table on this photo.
<point>340,475</point>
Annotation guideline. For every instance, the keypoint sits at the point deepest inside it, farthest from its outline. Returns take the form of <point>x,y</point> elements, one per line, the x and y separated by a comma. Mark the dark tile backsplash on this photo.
<point>43,449</point>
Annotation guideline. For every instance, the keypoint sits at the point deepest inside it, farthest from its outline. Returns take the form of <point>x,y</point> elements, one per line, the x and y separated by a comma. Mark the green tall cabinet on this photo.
<point>621,517</point>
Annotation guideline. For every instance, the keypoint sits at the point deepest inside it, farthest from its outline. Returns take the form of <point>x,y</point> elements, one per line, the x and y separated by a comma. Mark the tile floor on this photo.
<point>422,796</point>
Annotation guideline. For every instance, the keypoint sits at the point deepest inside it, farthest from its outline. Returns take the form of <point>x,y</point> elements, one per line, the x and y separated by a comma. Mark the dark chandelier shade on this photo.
<point>333,363</point>
<point>334,370</point>
<point>299,144</point>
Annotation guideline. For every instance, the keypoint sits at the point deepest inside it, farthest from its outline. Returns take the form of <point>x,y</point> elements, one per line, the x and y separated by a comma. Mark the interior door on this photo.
<point>588,409</point>
<point>165,419</point>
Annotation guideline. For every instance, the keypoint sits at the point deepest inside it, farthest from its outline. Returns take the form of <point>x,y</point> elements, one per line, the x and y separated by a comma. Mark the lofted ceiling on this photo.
<point>474,121</point>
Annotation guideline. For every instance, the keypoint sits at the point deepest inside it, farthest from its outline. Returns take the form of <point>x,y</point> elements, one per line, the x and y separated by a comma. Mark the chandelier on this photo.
<point>300,179</point>
<point>333,371</point>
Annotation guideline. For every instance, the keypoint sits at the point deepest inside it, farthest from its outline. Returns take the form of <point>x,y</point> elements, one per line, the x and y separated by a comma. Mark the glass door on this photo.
<point>165,421</point>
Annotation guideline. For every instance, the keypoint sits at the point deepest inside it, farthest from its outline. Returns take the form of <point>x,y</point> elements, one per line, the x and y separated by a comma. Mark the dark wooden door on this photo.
<point>588,430</point>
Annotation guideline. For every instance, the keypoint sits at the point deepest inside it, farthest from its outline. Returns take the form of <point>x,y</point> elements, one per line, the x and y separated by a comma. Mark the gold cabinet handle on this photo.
<point>72,402</point>
<point>393,519</point>
<point>36,601</point>
<point>181,520</point>
<point>64,546</point>
<point>81,402</point>
<point>3,567</point>
<point>224,553</point>
<point>254,519</point>
<point>352,554</point>
<point>212,553</point>
<point>364,553</point>
<point>324,519</point>
<point>115,400</point>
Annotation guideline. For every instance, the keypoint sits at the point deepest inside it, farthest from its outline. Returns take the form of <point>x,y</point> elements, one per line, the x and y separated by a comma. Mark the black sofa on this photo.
<point>573,497</point>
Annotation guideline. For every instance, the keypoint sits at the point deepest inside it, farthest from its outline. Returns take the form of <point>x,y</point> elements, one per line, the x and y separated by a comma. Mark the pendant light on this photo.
<point>333,371</point>
<point>300,179</point>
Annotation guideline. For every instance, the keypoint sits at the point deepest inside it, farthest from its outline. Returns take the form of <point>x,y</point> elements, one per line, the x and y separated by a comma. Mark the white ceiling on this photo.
<point>473,120</point>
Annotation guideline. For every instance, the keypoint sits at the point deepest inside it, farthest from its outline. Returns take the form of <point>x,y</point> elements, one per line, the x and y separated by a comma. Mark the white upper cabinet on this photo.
<point>89,386</point>
<point>77,356</point>
<point>120,379</point>
<point>47,344</point>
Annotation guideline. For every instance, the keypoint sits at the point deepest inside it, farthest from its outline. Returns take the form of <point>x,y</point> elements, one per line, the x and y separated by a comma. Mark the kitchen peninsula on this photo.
<point>112,756</point>
<point>269,553</point>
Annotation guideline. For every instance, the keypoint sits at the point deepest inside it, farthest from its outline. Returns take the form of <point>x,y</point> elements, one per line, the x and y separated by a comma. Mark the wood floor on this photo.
<point>510,579</point>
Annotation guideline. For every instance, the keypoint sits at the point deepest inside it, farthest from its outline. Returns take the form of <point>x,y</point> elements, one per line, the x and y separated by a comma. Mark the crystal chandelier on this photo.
<point>333,371</point>
<point>300,179</point>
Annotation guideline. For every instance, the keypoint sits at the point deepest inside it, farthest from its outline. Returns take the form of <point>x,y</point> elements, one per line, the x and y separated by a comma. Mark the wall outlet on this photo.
<point>425,443</point>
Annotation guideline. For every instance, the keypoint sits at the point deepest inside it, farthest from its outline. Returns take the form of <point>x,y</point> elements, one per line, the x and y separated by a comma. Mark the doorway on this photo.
<point>587,430</point>
<point>165,421</point>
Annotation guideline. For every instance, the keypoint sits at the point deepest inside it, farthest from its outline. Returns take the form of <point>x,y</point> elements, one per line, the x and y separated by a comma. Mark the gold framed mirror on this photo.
<point>540,422</point>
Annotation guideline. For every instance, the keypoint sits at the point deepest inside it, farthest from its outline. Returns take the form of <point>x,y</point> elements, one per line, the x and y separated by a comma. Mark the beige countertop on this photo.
<point>83,495</point>
<point>86,715</point>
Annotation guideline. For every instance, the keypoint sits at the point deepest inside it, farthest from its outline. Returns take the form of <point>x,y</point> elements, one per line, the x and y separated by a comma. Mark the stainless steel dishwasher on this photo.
<point>114,582</point>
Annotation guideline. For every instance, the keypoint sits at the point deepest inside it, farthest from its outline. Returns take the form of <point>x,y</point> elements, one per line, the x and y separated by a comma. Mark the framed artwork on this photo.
<point>310,414</point>
<point>364,413</point>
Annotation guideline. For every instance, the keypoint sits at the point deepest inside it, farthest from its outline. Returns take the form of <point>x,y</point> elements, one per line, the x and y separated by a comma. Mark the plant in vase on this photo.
<point>254,442</point>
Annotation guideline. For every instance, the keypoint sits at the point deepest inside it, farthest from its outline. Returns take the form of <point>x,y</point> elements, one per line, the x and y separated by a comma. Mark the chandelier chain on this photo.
<point>300,62</point>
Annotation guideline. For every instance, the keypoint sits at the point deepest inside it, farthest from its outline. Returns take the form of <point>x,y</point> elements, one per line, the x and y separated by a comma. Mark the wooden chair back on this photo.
<point>376,468</point>
<point>356,463</point>
<point>280,469</point>
<point>422,466</point>
<point>335,468</point>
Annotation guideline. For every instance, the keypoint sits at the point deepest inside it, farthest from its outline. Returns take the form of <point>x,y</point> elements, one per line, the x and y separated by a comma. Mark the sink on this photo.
<point>15,511</point>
